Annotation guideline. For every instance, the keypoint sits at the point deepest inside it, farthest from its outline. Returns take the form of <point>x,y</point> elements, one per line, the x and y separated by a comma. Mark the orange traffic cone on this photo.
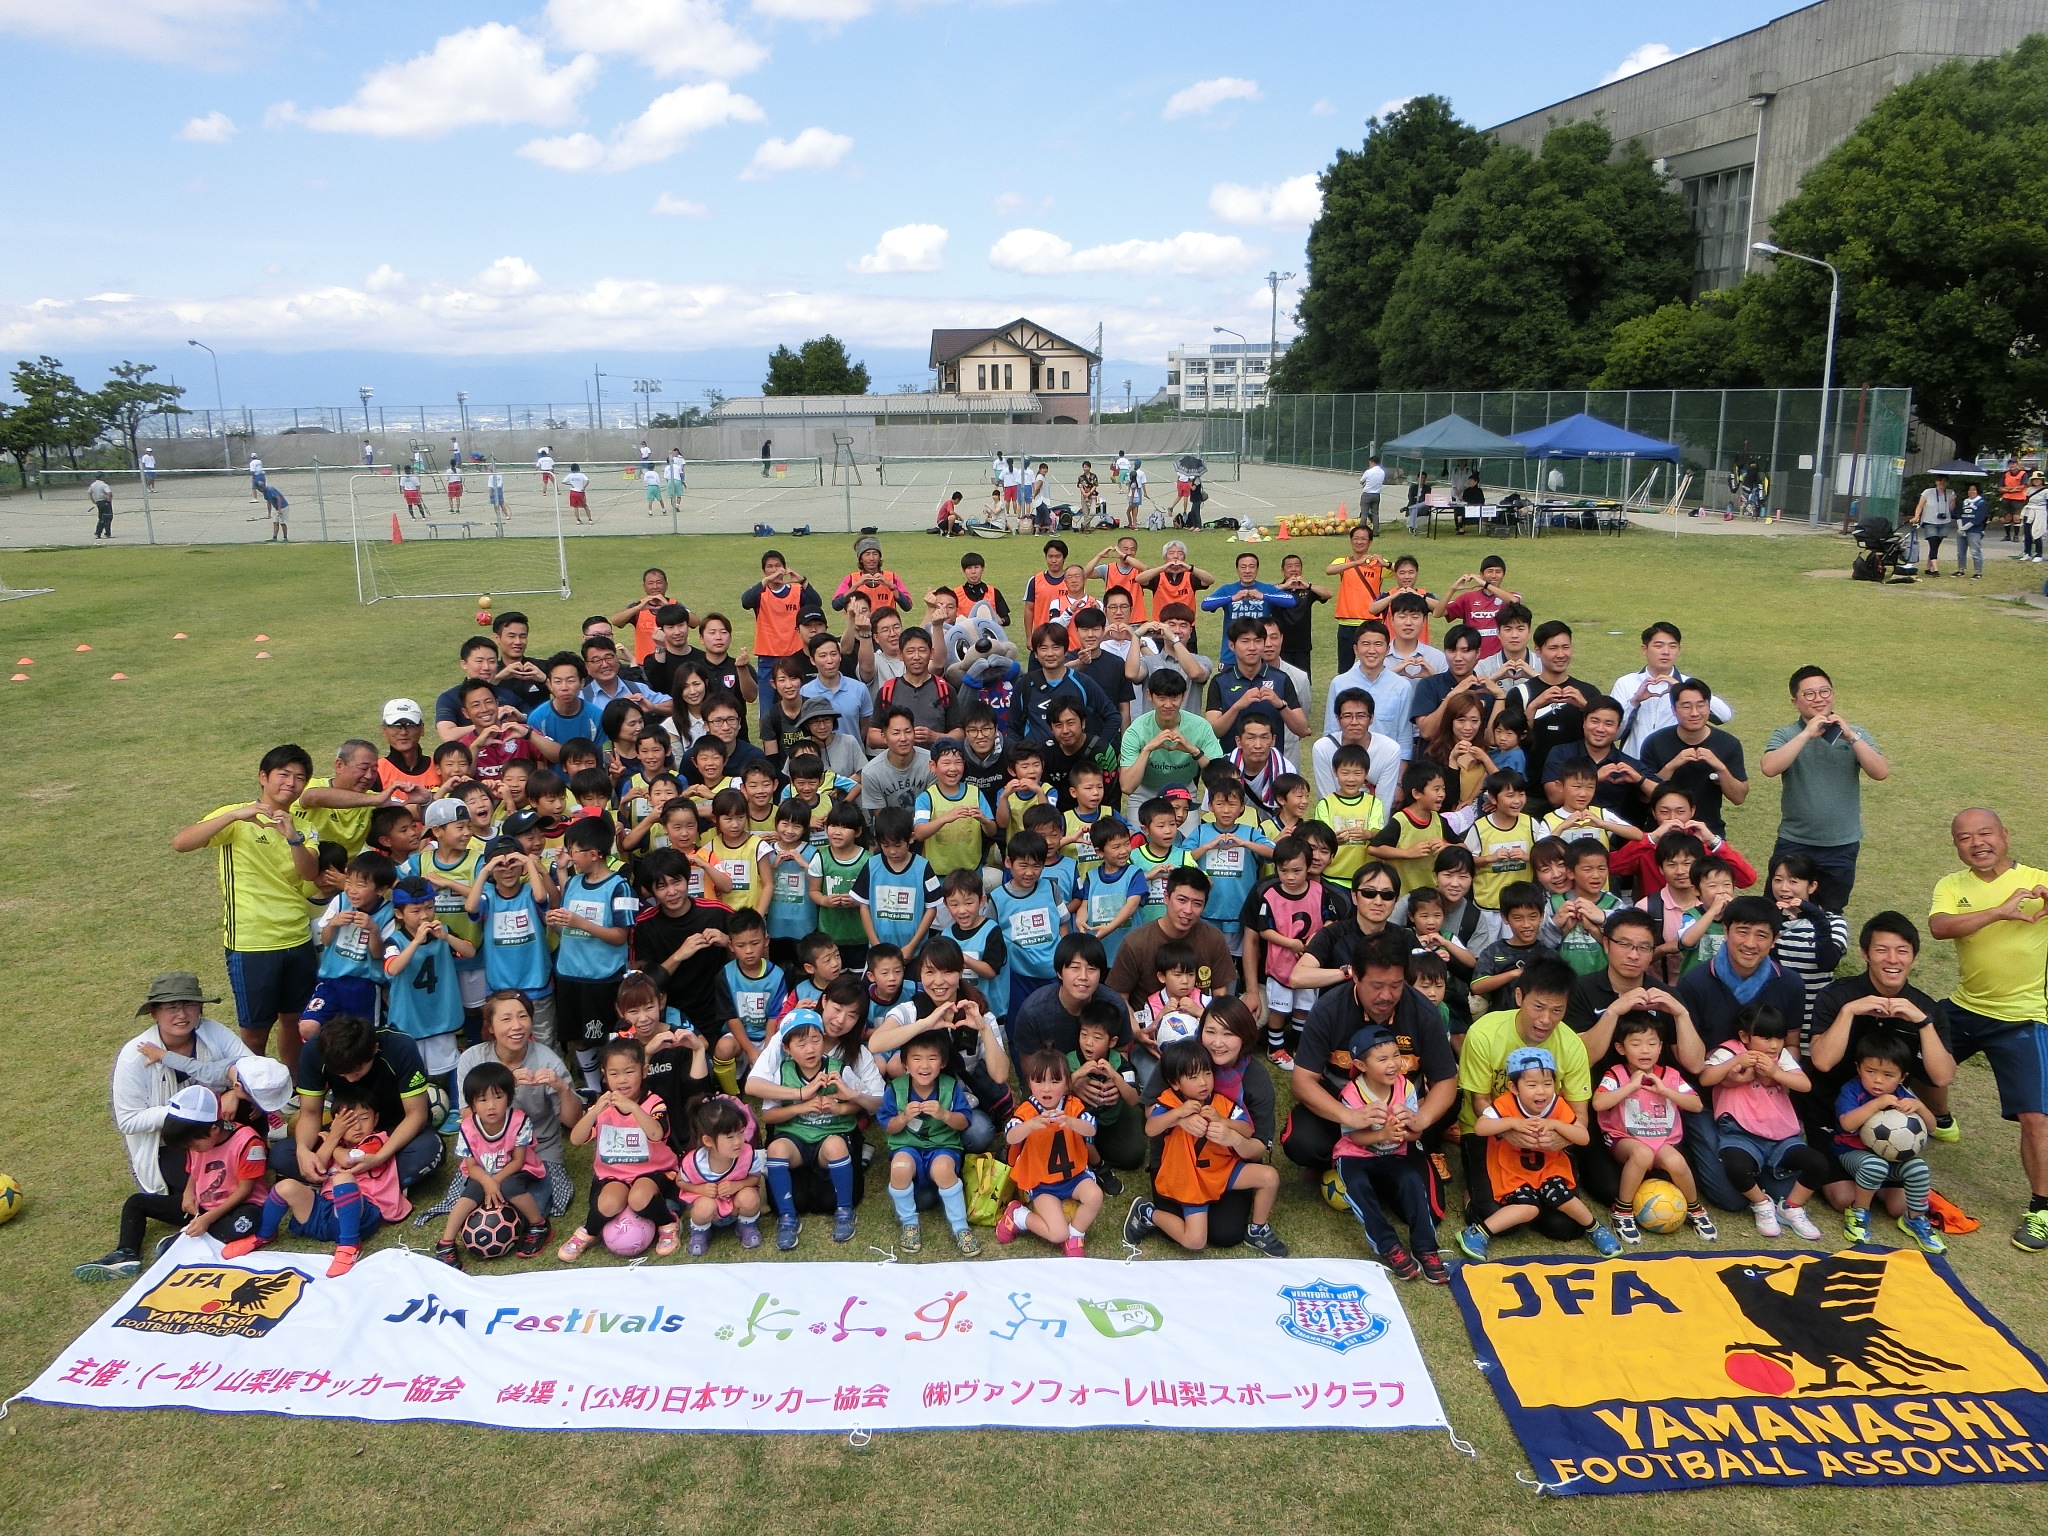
<point>1283,531</point>
<point>396,536</point>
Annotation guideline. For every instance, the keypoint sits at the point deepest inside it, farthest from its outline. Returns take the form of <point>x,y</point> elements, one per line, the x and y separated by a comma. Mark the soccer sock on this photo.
<point>954,1198</point>
<point>905,1201</point>
<point>779,1187</point>
<point>348,1215</point>
<point>748,1221</point>
<point>2038,1203</point>
<point>275,1211</point>
<point>1276,1038</point>
<point>586,1063</point>
<point>728,1074</point>
<point>697,1226</point>
<point>841,1170</point>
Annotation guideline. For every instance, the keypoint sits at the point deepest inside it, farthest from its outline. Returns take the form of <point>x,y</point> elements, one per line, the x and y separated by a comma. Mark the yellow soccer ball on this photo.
<point>1659,1206</point>
<point>483,602</point>
<point>11,1198</point>
<point>1333,1191</point>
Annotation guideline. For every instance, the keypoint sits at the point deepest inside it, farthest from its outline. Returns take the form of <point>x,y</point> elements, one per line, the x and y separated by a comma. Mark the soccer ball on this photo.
<point>1178,1026</point>
<point>439,1107</point>
<point>483,602</point>
<point>1659,1206</point>
<point>628,1233</point>
<point>11,1198</point>
<point>489,1234</point>
<point>483,617</point>
<point>1894,1134</point>
<point>1333,1191</point>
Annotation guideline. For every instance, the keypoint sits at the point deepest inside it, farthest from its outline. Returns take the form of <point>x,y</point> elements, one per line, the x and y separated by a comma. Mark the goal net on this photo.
<point>460,547</point>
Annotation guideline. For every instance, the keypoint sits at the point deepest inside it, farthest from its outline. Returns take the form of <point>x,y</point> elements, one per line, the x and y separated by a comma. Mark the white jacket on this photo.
<point>143,1089</point>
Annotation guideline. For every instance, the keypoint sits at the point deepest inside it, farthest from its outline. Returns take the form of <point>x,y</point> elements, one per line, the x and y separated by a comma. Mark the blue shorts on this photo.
<point>2018,1054</point>
<point>1183,1208</point>
<point>498,496</point>
<point>1064,1190</point>
<point>322,1226</point>
<point>272,982</point>
<point>334,996</point>
<point>925,1157</point>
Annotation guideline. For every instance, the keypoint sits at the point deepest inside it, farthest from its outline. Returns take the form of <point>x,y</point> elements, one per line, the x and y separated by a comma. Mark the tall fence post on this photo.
<point>148,521</point>
<point>320,499</point>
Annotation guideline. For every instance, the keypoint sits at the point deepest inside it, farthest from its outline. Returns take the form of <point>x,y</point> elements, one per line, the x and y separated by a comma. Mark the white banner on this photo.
<point>1049,1343</point>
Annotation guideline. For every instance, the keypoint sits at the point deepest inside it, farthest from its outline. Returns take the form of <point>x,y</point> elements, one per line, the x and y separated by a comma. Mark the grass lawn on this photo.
<point>100,773</point>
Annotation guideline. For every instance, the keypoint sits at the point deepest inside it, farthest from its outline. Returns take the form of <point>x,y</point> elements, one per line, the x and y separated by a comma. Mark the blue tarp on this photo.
<point>1588,437</point>
<point>1453,437</point>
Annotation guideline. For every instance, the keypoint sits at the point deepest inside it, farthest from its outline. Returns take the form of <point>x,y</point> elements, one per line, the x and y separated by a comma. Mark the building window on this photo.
<point>1719,205</point>
<point>1066,379</point>
<point>981,376</point>
<point>1034,375</point>
<point>1007,384</point>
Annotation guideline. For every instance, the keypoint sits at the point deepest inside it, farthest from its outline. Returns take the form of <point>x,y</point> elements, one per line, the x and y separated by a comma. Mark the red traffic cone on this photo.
<point>396,536</point>
<point>1283,533</point>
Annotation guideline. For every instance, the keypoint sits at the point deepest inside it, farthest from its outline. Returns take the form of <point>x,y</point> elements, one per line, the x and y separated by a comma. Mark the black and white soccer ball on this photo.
<point>488,1233</point>
<point>1895,1134</point>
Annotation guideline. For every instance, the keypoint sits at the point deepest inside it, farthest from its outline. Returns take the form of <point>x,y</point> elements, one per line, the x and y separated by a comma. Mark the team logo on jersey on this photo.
<point>1121,1319</point>
<point>216,1299</point>
<point>1334,1316</point>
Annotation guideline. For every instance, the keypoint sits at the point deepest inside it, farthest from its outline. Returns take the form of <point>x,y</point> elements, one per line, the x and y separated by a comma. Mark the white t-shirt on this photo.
<point>543,461</point>
<point>651,476</point>
<point>497,481</point>
<point>255,466</point>
<point>1373,478</point>
<point>646,453</point>
<point>149,461</point>
<point>576,480</point>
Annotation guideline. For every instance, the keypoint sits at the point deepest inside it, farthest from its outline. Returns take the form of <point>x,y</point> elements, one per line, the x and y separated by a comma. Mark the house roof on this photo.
<point>949,344</point>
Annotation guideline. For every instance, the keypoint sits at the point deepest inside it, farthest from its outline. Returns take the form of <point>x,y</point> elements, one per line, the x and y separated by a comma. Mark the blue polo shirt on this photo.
<point>1228,684</point>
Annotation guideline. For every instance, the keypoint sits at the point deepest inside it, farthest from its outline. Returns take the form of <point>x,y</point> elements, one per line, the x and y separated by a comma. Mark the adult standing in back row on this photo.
<point>1822,760</point>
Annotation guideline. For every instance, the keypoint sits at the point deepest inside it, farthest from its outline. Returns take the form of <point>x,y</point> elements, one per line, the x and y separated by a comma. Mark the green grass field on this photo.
<point>99,774</point>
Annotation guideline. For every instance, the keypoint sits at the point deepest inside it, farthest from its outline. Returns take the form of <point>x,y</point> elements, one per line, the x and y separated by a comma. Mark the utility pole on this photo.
<point>364,392</point>
<point>218,405</point>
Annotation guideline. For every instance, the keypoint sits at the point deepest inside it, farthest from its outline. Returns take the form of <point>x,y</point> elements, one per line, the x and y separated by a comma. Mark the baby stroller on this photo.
<point>1884,553</point>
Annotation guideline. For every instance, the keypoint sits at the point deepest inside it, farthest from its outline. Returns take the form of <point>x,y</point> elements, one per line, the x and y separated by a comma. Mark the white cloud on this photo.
<point>386,279</point>
<point>1324,108</point>
<point>180,29</point>
<point>825,12</point>
<point>1192,253</point>
<point>1207,95</point>
<point>1017,202</point>
<point>679,207</point>
<point>508,275</point>
<point>1390,106</point>
<point>1649,56</point>
<point>1294,204</point>
<point>666,126</point>
<point>670,37</point>
<point>906,248</point>
<point>214,128</point>
<point>815,149</point>
<point>488,75</point>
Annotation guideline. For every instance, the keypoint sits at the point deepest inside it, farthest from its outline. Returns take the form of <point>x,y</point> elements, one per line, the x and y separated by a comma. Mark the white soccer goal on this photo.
<point>8,593</point>
<point>474,550</point>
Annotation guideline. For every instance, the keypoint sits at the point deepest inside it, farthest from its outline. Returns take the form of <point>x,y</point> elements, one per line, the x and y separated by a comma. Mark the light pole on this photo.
<point>597,415</point>
<point>462,409</point>
<point>647,389</point>
<point>1827,371</point>
<point>218,404</point>
<point>1243,421</point>
<point>1130,409</point>
<point>364,392</point>
<point>1273,282</point>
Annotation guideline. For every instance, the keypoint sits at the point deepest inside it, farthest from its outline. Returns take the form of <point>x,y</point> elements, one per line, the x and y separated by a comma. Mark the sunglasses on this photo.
<point>1374,893</point>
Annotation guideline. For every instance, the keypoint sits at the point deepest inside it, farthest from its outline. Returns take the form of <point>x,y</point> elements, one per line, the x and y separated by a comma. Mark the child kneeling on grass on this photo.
<point>1528,1131</point>
<point>720,1178</point>
<point>1637,1105</point>
<point>495,1146</point>
<point>1383,1161</point>
<point>633,1166</point>
<point>1048,1138</point>
<point>358,1191</point>
<point>925,1114</point>
<point>1199,1161</point>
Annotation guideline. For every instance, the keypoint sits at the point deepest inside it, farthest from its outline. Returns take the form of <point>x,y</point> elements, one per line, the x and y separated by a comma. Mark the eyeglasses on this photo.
<point>1373,893</point>
<point>1632,948</point>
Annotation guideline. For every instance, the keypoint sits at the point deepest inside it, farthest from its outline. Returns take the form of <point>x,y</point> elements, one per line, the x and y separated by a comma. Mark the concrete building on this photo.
<point>1223,376</point>
<point>1022,357</point>
<point>1737,124</point>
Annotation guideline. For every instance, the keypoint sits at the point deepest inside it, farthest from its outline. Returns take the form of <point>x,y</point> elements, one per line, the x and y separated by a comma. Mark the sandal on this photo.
<point>572,1250</point>
<point>667,1239</point>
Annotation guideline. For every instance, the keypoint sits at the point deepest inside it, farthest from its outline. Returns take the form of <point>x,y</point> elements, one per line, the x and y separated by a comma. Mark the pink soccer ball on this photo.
<point>628,1234</point>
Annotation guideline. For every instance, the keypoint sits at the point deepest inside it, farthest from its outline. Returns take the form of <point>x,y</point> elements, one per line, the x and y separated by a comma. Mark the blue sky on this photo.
<point>653,179</point>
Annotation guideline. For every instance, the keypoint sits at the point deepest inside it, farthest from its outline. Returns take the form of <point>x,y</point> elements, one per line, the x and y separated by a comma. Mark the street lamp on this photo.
<point>462,409</point>
<point>1243,420</point>
<point>1827,371</point>
<point>218,405</point>
<point>1273,281</point>
<point>1130,409</point>
<point>647,388</point>
<point>364,392</point>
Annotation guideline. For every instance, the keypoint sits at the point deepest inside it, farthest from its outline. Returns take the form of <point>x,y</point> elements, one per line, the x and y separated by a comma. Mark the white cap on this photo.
<point>442,812</point>
<point>403,712</point>
<point>266,1080</point>
<point>199,1105</point>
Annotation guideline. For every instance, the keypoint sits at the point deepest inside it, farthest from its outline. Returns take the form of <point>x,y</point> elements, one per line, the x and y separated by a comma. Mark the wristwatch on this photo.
<point>295,840</point>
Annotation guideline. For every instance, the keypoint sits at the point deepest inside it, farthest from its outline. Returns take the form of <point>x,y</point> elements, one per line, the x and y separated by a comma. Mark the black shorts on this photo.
<point>585,1011</point>
<point>272,983</point>
<point>512,1186</point>
<point>811,1154</point>
<point>1547,1196</point>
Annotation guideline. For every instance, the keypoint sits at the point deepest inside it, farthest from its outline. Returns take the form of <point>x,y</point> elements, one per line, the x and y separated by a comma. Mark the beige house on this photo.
<point>1017,358</point>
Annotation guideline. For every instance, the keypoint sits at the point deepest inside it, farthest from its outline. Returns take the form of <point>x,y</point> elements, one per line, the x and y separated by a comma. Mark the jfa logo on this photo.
<point>1334,1316</point>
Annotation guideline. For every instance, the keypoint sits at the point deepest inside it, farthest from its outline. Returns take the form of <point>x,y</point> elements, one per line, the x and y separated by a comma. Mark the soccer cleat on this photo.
<point>1472,1242</point>
<point>968,1244</point>
<point>668,1239</point>
<point>1921,1230</point>
<point>1703,1223</point>
<point>1625,1224</point>
<point>118,1265</point>
<point>1076,1245</point>
<point>449,1254</point>
<point>842,1225</point>
<point>2031,1235</point>
<point>241,1247</point>
<point>787,1230</point>
<point>1137,1222</point>
<point>343,1261</point>
<point>1283,1059</point>
<point>1856,1226</point>
<point>1766,1214</point>
<point>572,1250</point>
<point>1263,1240</point>
<point>1401,1262</point>
<point>1795,1217</point>
<point>533,1240</point>
<point>910,1237</point>
<point>1007,1223</point>
<point>700,1241</point>
<point>1946,1127</point>
<point>750,1234</point>
<point>1604,1242</point>
<point>1434,1269</point>
<point>1111,1184</point>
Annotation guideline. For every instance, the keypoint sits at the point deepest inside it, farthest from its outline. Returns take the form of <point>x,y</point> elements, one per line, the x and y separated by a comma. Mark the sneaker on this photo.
<point>572,1250</point>
<point>968,1244</point>
<point>1282,1058</point>
<point>449,1254</point>
<point>750,1234</point>
<point>1921,1230</point>
<point>1434,1269</point>
<point>533,1240</point>
<point>1473,1240</point>
<point>118,1265</point>
<point>910,1237</point>
<point>1401,1262</point>
<point>1766,1214</point>
<point>2031,1235</point>
<point>241,1247</point>
<point>164,1246</point>
<point>1625,1224</point>
<point>343,1261</point>
<point>1856,1227</point>
<point>1946,1128</point>
<point>1262,1240</point>
<point>668,1239</point>
<point>842,1225</point>
<point>700,1241</point>
<point>1111,1184</point>
<point>1795,1217</point>
<point>274,1128</point>
<point>1076,1245</point>
<point>1009,1221</point>
<point>1137,1223</point>
<point>1604,1242</point>
<point>787,1230</point>
<point>1703,1223</point>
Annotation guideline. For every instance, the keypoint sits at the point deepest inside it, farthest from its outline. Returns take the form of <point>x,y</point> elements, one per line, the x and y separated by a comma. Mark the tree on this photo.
<point>821,368</point>
<point>1936,211</point>
<point>1681,346</point>
<point>1375,201</point>
<point>129,397</point>
<point>58,414</point>
<point>19,437</point>
<point>1522,274</point>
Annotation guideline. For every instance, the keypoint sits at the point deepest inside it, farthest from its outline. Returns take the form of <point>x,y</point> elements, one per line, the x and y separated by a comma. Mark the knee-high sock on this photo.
<point>954,1198</point>
<point>905,1201</point>
<point>274,1213</point>
<point>779,1187</point>
<point>841,1170</point>
<point>348,1215</point>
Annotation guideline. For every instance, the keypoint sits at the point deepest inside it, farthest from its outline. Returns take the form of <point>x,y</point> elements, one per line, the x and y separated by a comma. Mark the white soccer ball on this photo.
<point>1894,1134</point>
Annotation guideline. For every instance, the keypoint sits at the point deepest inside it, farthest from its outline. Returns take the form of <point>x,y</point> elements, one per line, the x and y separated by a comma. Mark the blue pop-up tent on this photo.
<point>1588,437</point>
